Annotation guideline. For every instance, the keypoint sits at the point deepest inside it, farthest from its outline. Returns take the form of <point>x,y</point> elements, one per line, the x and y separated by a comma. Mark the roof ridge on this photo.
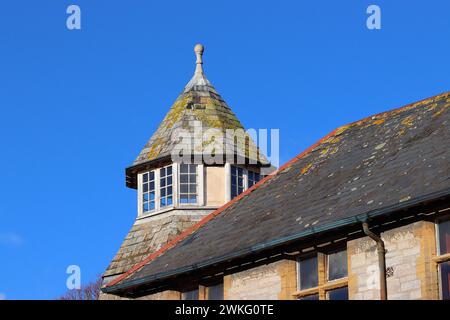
<point>215,213</point>
<point>406,107</point>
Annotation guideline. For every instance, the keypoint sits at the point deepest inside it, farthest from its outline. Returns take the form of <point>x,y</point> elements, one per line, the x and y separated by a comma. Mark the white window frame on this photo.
<point>199,184</point>
<point>229,177</point>
<point>140,193</point>
<point>246,179</point>
<point>159,189</point>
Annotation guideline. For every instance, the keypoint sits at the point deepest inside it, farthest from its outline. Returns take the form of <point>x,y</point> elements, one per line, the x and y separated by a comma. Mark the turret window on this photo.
<point>242,179</point>
<point>253,178</point>
<point>237,181</point>
<point>166,189</point>
<point>188,184</point>
<point>148,191</point>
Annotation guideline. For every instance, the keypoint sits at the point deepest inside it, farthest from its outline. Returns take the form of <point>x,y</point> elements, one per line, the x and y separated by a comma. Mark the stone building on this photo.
<point>362,214</point>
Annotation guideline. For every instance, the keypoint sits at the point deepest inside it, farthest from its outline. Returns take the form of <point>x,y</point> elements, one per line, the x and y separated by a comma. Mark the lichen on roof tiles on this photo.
<point>199,105</point>
<point>366,172</point>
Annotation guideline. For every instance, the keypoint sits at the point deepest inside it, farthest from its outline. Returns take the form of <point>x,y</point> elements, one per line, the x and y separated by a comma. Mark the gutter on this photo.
<point>381,259</point>
<point>362,218</point>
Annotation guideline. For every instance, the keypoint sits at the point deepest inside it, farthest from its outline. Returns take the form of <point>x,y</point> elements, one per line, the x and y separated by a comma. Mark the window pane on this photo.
<point>444,269</point>
<point>311,297</point>
<point>444,237</point>
<point>163,172</point>
<point>148,191</point>
<point>188,184</point>
<point>184,178</point>
<point>215,292</point>
<point>337,265</point>
<point>338,294</point>
<point>237,181</point>
<point>308,273</point>
<point>184,198</point>
<point>190,295</point>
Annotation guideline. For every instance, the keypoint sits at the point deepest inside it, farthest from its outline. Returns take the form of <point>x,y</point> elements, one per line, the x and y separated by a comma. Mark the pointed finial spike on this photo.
<point>198,49</point>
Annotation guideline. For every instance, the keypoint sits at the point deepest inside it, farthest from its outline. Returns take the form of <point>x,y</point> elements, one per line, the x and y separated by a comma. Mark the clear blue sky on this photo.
<point>77,106</point>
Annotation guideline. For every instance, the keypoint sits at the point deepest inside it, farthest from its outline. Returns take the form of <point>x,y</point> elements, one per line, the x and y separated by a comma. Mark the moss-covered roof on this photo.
<point>368,169</point>
<point>200,106</point>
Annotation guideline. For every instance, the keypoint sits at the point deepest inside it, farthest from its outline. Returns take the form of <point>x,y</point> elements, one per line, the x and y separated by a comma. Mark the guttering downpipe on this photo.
<point>381,259</point>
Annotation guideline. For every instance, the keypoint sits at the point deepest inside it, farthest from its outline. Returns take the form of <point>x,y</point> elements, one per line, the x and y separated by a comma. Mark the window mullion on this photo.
<point>199,185</point>
<point>245,178</point>
<point>227,182</point>
<point>140,195</point>
<point>321,264</point>
<point>157,190</point>
<point>175,184</point>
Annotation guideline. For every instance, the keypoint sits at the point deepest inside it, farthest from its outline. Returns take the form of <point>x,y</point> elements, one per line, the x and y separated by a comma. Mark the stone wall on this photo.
<point>412,272</point>
<point>262,282</point>
<point>405,262</point>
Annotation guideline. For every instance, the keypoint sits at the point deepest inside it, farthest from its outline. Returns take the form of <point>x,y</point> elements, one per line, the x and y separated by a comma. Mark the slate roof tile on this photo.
<point>373,163</point>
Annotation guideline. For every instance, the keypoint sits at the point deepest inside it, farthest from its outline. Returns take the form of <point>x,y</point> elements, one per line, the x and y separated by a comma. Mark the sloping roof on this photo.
<point>199,106</point>
<point>145,238</point>
<point>363,168</point>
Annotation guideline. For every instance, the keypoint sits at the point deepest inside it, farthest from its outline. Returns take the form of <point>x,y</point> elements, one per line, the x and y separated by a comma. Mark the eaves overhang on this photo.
<point>124,287</point>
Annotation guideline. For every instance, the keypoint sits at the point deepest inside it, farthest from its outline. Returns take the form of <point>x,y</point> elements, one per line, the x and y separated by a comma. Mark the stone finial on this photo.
<point>199,53</point>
